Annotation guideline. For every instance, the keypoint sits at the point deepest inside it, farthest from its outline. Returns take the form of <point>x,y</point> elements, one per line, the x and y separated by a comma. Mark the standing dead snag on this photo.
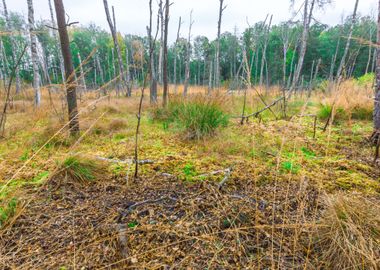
<point>33,48</point>
<point>152,72</point>
<point>165,62</point>
<point>188,54</point>
<point>116,45</point>
<point>376,113</point>
<point>217,56</point>
<point>348,43</point>
<point>69,69</point>
<point>176,56</point>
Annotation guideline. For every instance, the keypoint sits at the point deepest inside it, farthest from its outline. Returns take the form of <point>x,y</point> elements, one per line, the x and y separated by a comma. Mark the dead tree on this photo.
<point>308,13</point>
<point>8,27</point>
<point>175,55</point>
<point>265,45</point>
<point>152,73</point>
<point>217,56</point>
<point>33,49</point>
<point>112,27</point>
<point>376,112</point>
<point>165,57</point>
<point>82,75</point>
<point>161,53</point>
<point>69,69</point>
<point>348,43</point>
<point>188,54</point>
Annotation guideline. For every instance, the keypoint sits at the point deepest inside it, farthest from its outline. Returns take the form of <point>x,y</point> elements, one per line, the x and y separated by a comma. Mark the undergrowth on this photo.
<point>197,117</point>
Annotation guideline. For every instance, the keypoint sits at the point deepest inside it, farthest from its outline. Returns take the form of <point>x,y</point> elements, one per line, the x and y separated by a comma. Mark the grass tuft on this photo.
<point>349,237</point>
<point>82,169</point>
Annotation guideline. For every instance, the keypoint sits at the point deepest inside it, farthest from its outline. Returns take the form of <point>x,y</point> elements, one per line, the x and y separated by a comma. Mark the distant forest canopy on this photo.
<point>276,67</point>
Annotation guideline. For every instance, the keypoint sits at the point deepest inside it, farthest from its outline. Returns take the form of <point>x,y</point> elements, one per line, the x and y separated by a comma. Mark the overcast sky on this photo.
<point>133,15</point>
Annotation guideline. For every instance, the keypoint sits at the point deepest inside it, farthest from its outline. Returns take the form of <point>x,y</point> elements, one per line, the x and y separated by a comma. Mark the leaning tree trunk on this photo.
<point>165,56</point>
<point>8,27</point>
<point>116,43</point>
<point>69,69</point>
<point>376,113</point>
<point>33,48</point>
<point>161,52</point>
<point>188,54</point>
<point>348,43</point>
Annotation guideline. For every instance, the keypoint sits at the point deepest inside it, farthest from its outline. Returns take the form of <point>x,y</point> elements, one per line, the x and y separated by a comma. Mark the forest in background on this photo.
<point>271,50</point>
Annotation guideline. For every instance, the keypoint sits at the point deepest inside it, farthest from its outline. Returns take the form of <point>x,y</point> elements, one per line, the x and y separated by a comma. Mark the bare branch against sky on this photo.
<point>133,15</point>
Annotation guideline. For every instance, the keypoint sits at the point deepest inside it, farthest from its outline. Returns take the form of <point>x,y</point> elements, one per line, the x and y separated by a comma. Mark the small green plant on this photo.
<point>366,80</point>
<point>308,153</point>
<point>25,156</point>
<point>290,166</point>
<point>8,211</point>
<point>40,177</point>
<point>119,137</point>
<point>325,111</point>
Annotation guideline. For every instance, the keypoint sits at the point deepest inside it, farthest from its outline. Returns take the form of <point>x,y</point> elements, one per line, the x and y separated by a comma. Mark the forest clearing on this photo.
<point>257,150</point>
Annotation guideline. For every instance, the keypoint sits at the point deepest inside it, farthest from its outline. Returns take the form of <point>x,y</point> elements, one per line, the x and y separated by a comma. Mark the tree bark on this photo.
<point>69,70</point>
<point>161,53</point>
<point>33,48</point>
<point>263,57</point>
<point>165,56</point>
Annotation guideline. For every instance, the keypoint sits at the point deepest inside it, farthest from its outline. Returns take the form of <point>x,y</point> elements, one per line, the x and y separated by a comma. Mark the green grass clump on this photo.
<point>325,111</point>
<point>198,117</point>
<point>81,169</point>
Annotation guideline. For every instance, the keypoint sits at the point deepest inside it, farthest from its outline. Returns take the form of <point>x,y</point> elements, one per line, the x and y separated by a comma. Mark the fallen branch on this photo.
<point>256,114</point>
<point>225,179</point>
<point>214,173</point>
<point>126,161</point>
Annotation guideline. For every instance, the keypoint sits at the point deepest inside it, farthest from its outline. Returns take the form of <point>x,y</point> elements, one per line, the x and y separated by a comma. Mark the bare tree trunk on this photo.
<point>369,52</point>
<point>308,13</point>
<point>152,73</point>
<point>116,44</point>
<point>188,54</point>
<point>333,61</point>
<point>175,55</point>
<point>83,79</point>
<point>376,113</point>
<point>210,77</point>
<point>217,57</point>
<point>69,70</point>
<point>348,43</point>
<point>165,56</point>
<point>161,53</point>
<point>8,27</point>
<point>263,57</point>
<point>33,48</point>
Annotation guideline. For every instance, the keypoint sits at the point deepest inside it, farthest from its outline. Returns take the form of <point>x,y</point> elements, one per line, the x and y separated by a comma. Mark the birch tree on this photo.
<point>188,55</point>
<point>33,48</point>
<point>217,56</point>
<point>165,56</point>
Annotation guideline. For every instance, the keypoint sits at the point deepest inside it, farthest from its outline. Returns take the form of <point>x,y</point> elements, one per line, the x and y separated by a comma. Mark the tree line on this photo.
<point>272,52</point>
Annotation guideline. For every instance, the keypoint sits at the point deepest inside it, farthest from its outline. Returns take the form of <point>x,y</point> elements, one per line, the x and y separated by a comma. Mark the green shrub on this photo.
<point>362,113</point>
<point>198,118</point>
<point>366,80</point>
<point>326,109</point>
